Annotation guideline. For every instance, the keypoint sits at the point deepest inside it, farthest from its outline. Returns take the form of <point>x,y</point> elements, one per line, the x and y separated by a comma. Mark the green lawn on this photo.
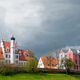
<point>41,76</point>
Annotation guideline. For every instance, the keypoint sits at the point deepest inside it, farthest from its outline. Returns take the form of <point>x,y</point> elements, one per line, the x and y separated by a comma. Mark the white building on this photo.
<point>11,54</point>
<point>62,55</point>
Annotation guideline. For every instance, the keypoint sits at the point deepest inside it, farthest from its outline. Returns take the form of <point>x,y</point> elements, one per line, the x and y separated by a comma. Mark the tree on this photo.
<point>31,64</point>
<point>69,64</point>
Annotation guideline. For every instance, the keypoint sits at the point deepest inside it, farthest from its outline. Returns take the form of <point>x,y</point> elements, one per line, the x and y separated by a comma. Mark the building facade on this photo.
<point>11,54</point>
<point>72,54</point>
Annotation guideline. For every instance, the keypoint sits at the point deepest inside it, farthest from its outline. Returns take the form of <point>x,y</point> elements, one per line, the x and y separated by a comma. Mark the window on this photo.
<point>7,50</point>
<point>49,64</point>
<point>7,61</point>
<point>9,56</point>
<point>53,64</point>
<point>16,56</point>
<point>21,63</point>
<point>6,56</point>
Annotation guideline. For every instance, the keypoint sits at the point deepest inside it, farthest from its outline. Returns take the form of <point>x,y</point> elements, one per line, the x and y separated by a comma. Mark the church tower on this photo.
<point>12,50</point>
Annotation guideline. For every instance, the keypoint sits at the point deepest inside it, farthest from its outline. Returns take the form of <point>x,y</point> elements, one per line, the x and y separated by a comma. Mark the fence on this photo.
<point>45,70</point>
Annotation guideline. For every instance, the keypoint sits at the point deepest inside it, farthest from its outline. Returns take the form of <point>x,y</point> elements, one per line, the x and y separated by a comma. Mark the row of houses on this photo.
<point>56,62</point>
<point>11,54</point>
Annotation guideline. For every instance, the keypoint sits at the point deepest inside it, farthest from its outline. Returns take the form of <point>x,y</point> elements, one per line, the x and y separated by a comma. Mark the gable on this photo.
<point>6,46</point>
<point>1,54</point>
<point>49,61</point>
<point>40,63</point>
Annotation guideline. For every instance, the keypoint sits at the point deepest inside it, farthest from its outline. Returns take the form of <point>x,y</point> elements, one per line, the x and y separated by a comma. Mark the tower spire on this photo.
<point>12,37</point>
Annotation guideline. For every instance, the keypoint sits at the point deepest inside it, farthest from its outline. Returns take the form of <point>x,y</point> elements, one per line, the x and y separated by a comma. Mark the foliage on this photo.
<point>69,63</point>
<point>7,69</point>
<point>31,64</point>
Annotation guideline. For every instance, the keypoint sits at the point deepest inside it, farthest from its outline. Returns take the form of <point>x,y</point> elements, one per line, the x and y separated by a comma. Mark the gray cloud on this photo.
<point>41,25</point>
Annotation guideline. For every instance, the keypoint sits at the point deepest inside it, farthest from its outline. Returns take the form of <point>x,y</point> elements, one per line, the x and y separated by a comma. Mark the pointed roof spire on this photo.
<point>12,37</point>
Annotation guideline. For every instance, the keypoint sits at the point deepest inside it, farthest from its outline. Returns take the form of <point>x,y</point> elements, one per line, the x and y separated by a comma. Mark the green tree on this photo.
<point>31,64</point>
<point>68,63</point>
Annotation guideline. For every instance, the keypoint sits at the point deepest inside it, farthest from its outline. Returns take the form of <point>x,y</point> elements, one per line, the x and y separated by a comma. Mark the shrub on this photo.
<point>7,70</point>
<point>31,65</point>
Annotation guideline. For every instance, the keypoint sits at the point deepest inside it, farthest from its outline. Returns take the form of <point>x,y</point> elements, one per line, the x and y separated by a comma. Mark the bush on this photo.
<point>7,70</point>
<point>31,65</point>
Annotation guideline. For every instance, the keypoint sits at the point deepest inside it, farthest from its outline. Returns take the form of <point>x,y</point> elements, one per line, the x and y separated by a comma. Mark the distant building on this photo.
<point>48,62</point>
<point>11,54</point>
<point>70,53</point>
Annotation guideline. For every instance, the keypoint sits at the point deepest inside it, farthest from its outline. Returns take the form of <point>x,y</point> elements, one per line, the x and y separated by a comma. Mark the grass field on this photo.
<point>40,76</point>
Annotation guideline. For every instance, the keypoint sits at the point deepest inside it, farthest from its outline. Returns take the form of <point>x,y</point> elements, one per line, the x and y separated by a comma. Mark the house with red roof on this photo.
<point>11,54</point>
<point>48,62</point>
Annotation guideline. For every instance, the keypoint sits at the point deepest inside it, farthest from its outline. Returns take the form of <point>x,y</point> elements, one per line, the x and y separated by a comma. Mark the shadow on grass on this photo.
<point>77,76</point>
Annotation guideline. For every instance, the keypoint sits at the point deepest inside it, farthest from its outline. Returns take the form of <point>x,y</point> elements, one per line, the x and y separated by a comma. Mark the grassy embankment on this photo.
<point>40,76</point>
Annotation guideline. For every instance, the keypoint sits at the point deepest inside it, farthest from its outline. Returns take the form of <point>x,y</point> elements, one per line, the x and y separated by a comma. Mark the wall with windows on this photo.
<point>61,57</point>
<point>22,63</point>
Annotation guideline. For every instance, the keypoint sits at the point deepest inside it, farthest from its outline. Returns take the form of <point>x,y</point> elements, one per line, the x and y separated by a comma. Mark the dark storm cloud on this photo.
<point>42,25</point>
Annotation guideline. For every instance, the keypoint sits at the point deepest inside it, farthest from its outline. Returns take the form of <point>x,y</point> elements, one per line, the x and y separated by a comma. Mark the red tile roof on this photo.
<point>49,62</point>
<point>24,54</point>
<point>6,45</point>
<point>1,54</point>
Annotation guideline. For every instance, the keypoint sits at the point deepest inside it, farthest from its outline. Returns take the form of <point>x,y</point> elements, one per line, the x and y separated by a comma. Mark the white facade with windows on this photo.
<point>62,55</point>
<point>11,54</point>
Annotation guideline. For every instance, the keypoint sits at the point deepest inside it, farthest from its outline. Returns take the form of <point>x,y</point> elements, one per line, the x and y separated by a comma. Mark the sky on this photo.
<point>41,25</point>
